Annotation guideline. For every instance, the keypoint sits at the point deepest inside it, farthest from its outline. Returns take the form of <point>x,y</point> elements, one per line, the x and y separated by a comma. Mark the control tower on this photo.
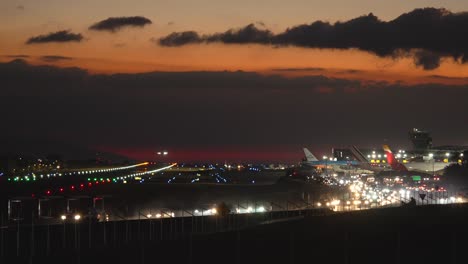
<point>421,139</point>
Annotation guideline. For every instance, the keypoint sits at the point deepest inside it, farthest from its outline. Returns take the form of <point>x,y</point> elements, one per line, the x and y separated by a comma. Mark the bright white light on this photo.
<point>165,153</point>
<point>77,217</point>
<point>158,215</point>
<point>319,204</point>
<point>196,211</point>
<point>261,209</point>
<point>149,215</point>
<point>63,217</point>
<point>214,211</point>
<point>447,154</point>
<point>249,209</point>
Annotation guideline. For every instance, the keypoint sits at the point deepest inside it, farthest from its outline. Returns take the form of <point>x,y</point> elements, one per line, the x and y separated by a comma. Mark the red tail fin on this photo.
<point>392,161</point>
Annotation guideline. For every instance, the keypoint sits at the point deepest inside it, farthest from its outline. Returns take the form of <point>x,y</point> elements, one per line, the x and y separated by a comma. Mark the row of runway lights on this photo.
<point>78,187</point>
<point>96,181</point>
<point>34,177</point>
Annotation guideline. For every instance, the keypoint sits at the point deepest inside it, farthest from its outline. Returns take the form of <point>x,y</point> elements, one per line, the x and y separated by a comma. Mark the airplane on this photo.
<point>345,166</point>
<point>311,160</point>
<point>426,166</point>
<point>364,162</point>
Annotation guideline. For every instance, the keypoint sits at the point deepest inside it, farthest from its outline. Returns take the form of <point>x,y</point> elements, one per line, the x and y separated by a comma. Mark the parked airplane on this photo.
<point>364,162</point>
<point>343,166</point>
<point>426,166</point>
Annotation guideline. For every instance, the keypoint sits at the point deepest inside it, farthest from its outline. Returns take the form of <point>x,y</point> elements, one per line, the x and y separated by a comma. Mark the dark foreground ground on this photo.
<point>428,234</point>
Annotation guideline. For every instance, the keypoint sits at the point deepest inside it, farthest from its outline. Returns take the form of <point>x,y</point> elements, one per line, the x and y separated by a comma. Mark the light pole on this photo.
<point>162,154</point>
<point>431,155</point>
<point>64,218</point>
<point>77,218</point>
<point>326,165</point>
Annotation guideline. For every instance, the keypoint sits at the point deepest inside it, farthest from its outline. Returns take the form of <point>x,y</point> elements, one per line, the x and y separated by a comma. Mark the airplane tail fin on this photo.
<point>392,161</point>
<point>309,156</point>
<point>358,154</point>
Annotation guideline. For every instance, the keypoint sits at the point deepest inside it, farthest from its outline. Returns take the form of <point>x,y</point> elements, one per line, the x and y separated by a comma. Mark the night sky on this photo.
<point>230,80</point>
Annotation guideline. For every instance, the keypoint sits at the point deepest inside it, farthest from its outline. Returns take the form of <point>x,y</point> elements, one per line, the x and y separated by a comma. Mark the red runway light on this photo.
<point>89,184</point>
<point>61,189</point>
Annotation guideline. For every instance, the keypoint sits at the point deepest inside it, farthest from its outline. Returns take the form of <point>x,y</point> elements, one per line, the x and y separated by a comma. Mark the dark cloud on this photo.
<point>437,32</point>
<point>350,71</point>
<point>427,60</point>
<point>442,77</point>
<point>54,58</point>
<point>18,56</point>
<point>245,35</point>
<point>20,7</point>
<point>179,38</point>
<point>114,24</point>
<point>310,69</point>
<point>203,110</point>
<point>59,36</point>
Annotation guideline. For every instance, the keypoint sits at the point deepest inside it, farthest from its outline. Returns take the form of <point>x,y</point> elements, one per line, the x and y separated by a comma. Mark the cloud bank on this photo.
<point>54,58</point>
<point>427,35</point>
<point>113,24</point>
<point>59,36</point>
